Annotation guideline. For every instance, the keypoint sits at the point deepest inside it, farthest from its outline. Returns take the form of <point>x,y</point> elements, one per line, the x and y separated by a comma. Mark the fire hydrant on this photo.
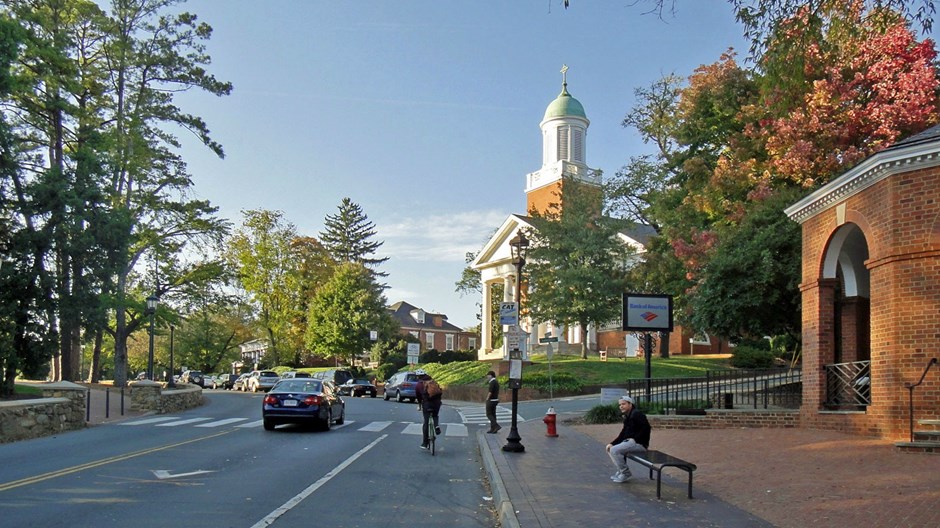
<point>550,422</point>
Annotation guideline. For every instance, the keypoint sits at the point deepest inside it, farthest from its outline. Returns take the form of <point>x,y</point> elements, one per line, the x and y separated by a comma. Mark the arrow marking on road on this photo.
<point>163,474</point>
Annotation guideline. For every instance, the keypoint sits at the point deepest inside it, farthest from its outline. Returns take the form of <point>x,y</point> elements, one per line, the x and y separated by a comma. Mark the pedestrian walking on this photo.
<point>492,400</point>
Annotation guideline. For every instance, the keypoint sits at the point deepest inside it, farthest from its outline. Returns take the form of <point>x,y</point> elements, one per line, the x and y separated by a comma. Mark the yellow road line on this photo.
<point>118,458</point>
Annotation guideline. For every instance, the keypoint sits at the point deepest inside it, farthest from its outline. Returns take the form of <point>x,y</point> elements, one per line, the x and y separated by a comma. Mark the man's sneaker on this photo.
<point>621,479</point>
<point>615,476</point>
<point>497,428</point>
<point>437,430</point>
<point>425,446</point>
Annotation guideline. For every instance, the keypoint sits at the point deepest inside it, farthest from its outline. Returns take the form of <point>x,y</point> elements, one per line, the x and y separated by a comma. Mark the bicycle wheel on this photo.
<point>432,436</point>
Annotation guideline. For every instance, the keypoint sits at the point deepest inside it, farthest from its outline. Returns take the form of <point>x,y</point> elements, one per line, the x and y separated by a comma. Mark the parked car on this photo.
<point>262,380</point>
<point>302,400</point>
<point>194,377</point>
<point>401,386</point>
<point>358,387</point>
<point>241,383</point>
<point>335,376</point>
<point>291,374</point>
<point>226,381</point>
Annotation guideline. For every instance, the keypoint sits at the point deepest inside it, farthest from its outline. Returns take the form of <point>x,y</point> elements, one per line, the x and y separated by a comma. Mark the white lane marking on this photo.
<point>456,430</point>
<point>251,424</point>
<point>183,422</point>
<point>151,420</point>
<point>296,499</point>
<point>412,429</point>
<point>219,423</point>
<point>375,427</point>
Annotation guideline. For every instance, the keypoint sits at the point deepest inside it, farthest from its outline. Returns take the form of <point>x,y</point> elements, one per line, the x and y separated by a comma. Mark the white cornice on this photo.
<point>871,171</point>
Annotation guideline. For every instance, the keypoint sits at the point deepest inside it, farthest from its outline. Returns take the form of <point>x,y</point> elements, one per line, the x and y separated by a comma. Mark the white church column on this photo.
<point>486,329</point>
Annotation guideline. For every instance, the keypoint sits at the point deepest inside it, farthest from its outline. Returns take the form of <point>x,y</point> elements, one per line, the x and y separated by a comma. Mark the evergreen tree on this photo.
<point>348,236</point>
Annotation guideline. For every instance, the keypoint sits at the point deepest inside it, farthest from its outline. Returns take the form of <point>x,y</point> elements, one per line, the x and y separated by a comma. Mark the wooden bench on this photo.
<point>656,461</point>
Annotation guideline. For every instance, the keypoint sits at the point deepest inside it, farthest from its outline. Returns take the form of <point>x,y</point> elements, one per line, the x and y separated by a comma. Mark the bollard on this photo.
<point>549,420</point>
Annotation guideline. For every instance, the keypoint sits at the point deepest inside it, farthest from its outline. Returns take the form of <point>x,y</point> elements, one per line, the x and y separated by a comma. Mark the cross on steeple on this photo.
<point>564,77</point>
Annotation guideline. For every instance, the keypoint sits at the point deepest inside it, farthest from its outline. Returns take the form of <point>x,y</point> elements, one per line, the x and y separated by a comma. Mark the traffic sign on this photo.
<point>548,339</point>
<point>508,313</point>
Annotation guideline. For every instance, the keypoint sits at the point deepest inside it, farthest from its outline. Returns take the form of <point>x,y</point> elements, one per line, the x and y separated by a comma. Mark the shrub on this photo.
<point>603,414</point>
<point>748,357</point>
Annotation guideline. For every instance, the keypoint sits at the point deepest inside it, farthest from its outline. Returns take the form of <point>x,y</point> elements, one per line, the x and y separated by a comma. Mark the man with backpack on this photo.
<point>428,393</point>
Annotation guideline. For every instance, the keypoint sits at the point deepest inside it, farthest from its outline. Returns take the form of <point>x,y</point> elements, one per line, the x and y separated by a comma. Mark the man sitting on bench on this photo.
<point>633,438</point>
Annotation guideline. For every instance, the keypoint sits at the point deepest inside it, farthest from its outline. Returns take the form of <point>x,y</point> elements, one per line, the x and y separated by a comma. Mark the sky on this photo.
<point>424,112</point>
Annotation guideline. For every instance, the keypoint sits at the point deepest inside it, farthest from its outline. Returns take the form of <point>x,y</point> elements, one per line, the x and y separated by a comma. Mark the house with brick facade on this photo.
<point>871,293</point>
<point>432,329</point>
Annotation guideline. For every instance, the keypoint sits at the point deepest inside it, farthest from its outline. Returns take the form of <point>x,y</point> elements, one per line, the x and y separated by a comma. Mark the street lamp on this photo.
<point>170,382</point>
<point>151,310</point>
<point>518,245</point>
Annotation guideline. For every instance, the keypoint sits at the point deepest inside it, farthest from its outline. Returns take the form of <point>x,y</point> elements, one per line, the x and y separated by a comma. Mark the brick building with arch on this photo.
<point>871,293</point>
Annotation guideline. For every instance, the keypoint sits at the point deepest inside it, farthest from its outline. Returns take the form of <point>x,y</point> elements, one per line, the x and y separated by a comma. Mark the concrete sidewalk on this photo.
<point>564,481</point>
<point>105,404</point>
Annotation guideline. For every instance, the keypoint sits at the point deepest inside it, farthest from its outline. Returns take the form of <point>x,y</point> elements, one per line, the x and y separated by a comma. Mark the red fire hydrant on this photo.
<point>550,422</point>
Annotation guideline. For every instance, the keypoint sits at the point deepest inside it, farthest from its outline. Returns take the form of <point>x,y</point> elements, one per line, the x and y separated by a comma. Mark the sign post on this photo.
<point>548,340</point>
<point>413,351</point>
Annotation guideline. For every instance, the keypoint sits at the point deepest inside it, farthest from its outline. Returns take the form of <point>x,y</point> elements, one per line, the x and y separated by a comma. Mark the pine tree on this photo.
<point>348,237</point>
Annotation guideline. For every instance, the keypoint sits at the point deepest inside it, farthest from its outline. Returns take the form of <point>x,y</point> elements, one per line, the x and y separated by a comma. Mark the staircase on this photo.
<point>926,439</point>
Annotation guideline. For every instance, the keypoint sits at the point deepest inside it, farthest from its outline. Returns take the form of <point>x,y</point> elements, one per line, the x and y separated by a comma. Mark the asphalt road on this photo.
<point>216,466</point>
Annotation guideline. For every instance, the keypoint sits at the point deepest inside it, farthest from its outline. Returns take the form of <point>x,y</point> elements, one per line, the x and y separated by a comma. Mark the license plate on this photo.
<point>290,403</point>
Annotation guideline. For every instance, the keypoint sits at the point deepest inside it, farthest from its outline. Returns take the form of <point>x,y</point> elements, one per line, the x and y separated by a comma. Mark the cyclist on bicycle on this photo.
<point>429,405</point>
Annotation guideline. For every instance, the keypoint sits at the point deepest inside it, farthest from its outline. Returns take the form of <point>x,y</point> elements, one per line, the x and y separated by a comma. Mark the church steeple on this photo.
<point>564,149</point>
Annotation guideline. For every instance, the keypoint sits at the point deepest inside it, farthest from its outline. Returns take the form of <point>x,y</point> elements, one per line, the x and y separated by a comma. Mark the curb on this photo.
<point>506,513</point>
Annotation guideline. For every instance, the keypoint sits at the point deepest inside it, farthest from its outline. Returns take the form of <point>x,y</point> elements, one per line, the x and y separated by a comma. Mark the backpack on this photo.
<point>433,388</point>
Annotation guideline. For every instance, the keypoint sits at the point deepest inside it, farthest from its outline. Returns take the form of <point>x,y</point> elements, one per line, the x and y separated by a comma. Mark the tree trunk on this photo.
<point>94,370</point>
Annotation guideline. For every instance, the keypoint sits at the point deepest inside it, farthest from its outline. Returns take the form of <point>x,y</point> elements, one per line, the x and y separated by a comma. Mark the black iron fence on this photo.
<point>723,389</point>
<point>848,385</point>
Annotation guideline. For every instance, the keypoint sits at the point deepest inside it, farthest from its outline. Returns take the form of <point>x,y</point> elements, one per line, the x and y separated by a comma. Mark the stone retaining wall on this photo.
<point>152,396</point>
<point>61,409</point>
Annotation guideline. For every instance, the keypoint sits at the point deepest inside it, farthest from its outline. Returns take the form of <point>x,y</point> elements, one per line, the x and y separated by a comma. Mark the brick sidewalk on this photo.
<point>801,477</point>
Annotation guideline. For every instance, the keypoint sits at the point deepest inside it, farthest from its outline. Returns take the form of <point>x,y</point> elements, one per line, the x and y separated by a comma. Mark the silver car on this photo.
<point>262,380</point>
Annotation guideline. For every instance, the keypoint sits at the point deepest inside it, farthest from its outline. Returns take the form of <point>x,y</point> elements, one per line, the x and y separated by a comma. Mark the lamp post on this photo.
<point>519,244</point>
<point>170,383</point>
<point>151,310</point>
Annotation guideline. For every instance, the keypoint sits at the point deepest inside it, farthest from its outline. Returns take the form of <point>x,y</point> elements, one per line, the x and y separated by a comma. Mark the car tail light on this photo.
<point>270,400</point>
<point>312,400</point>
<point>407,385</point>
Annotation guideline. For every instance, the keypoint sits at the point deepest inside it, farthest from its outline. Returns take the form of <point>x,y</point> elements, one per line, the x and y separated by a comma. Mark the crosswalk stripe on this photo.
<point>183,422</point>
<point>219,423</point>
<point>412,429</point>
<point>256,423</point>
<point>151,420</point>
<point>375,427</point>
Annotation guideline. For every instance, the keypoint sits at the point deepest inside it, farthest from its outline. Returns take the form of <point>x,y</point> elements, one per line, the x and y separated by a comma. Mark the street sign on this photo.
<point>508,314</point>
<point>544,340</point>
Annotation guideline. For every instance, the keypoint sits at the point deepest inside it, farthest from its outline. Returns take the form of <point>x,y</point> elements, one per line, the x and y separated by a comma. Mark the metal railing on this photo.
<point>848,385</point>
<point>739,388</point>
<point>910,387</point>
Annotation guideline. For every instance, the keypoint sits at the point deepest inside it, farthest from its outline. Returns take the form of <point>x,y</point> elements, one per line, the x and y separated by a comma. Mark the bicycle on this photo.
<point>432,435</point>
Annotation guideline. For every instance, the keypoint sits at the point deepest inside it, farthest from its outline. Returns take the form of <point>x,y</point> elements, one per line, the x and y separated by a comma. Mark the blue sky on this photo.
<point>425,113</point>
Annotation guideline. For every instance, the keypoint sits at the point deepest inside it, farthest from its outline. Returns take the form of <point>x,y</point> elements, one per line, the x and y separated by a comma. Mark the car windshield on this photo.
<point>360,382</point>
<point>299,385</point>
<point>412,377</point>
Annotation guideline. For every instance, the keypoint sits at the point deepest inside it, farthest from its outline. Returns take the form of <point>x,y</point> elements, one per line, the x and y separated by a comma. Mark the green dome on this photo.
<point>564,105</point>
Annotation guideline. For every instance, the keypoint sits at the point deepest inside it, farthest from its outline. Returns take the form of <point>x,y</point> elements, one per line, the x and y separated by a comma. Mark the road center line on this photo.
<point>296,499</point>
<point>75,469</point>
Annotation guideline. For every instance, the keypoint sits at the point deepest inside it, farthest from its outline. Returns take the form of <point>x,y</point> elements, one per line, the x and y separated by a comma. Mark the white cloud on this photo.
<point>438,238</point>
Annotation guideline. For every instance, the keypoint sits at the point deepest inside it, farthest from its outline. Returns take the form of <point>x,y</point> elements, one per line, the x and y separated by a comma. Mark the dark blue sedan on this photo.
<point>304,401</point>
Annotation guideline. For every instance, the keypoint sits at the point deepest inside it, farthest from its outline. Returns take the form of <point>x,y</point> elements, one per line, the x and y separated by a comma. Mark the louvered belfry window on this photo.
<point>578,146</point>
<point>563,143</point>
